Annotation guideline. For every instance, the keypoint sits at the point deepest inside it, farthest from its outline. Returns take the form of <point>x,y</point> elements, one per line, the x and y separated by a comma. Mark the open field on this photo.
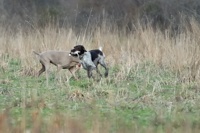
<point>153,83</point>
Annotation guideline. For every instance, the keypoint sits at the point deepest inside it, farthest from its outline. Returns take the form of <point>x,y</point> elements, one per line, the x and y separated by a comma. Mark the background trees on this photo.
<point>81,13</point>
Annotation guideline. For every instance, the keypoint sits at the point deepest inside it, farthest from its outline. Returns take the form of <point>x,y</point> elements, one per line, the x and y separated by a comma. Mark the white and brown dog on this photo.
<point>90,59</point>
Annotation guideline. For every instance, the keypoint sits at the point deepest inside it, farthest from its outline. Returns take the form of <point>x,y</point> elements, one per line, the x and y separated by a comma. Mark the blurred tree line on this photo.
<point>87,13</point>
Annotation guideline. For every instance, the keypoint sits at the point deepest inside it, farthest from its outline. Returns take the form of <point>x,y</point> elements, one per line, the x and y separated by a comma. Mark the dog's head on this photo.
<point>78,50</point>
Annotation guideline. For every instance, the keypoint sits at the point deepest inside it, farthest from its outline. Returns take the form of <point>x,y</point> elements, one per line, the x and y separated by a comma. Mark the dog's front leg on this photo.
<point>58,74</point>
<point>73,70</point>
<point>89,73</point>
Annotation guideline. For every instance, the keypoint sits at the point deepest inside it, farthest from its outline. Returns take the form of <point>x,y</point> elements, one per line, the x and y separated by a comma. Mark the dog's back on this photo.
<point>57,57</point>
<point>95,53</point>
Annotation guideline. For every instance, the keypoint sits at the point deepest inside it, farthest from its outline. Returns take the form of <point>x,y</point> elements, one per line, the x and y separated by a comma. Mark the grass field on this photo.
<point>153,83</point>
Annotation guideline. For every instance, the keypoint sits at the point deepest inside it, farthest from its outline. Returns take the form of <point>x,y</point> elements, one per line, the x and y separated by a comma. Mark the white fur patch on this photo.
<point>76,52</point>
<point>100,48</point>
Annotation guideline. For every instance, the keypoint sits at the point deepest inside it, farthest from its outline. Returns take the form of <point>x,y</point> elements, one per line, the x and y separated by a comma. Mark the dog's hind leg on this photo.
<point>47,66</point>
<point>44,68</point>
<point>97,70</point>
<point>41,70</point>
<point>103,64</point>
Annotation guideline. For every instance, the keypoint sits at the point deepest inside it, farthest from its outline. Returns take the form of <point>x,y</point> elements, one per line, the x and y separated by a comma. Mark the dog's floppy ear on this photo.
<point>84,49</point>
<point>80,48</point>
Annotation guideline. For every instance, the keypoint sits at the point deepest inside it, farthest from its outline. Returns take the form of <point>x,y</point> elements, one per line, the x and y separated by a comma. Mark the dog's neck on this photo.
<point>81,56</point>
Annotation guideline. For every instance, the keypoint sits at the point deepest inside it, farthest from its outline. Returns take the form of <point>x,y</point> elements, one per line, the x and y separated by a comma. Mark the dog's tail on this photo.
<point>100,48</point>
<point>36,53</point>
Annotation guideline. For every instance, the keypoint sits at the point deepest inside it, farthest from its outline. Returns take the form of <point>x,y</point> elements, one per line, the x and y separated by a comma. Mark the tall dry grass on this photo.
<point>179,52</point>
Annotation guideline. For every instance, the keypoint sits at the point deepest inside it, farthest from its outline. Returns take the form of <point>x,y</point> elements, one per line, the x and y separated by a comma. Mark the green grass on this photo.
<point>147,96</point>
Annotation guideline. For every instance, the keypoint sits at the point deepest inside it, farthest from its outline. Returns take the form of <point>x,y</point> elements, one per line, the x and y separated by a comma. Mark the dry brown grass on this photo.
<point>180,53</point>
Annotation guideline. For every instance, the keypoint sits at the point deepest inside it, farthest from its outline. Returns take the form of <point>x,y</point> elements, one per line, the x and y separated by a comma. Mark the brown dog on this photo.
<point>61,59</point>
